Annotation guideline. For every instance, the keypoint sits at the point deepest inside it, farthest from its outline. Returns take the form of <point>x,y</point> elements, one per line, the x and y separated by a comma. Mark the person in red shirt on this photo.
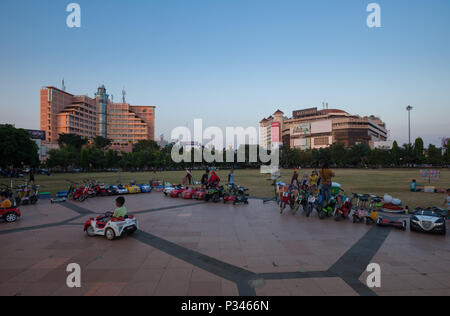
<point>214,179</point>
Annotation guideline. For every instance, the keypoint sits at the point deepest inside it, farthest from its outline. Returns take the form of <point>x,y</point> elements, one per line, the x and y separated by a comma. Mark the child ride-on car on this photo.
<point>110,227</point>
<point>199,194</point>
<point>428,221</point>
<point>10,215</point>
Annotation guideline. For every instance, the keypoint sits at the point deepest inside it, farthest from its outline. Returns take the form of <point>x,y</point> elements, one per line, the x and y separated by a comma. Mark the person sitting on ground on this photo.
<point>121,210</point>
<point>414,186</point>
<point>5,203</point>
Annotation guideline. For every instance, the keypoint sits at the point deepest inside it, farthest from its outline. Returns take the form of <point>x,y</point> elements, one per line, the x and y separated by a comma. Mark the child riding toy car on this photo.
<point>111,227</point>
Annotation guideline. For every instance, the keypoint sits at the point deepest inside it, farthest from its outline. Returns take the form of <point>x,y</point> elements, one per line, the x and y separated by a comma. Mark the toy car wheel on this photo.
<point>109,234</point>
<point>10,217</point>
<point>90,231</point>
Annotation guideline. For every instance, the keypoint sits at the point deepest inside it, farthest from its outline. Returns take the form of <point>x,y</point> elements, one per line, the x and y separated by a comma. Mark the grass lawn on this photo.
<point>392,181</point>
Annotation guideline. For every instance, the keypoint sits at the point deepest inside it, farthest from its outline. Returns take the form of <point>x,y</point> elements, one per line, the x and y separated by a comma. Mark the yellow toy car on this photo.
<point>133,189</point>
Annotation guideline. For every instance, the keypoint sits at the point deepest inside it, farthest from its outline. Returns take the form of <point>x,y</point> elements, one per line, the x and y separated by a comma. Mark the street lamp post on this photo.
<point>409,108</point>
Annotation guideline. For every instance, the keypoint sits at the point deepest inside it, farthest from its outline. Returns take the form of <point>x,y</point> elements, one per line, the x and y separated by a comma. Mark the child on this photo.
<point>414,186</point>
<point>313,179</point>
<point>5,202</point>
<point>231,178</point>
<point>121,210</point>
<point>447,200</point>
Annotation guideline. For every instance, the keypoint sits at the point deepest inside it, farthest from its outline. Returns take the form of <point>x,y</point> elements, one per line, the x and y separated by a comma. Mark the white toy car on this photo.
<point>428,221</point>
<point>169,188</point>
<point>122,190</point>
<point>110,227</point>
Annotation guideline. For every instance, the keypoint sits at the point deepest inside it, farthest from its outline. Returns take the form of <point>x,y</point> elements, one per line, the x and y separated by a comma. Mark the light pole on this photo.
<point>409,108</point>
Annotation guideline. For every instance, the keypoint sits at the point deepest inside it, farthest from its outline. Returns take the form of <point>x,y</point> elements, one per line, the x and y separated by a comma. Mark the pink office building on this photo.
<point>65,113</point>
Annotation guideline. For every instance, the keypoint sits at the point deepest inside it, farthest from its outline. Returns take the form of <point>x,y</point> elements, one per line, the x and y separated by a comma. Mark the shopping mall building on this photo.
<point>314,129</point>
<point>122,123</point>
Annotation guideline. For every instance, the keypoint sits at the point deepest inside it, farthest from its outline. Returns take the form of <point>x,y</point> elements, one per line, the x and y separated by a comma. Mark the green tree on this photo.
<point>63,158</point>
<point>447,153</point>
<point>17,148</point>
<point>396,153</point>
<point>146,145</point>
<point>72,140</point>
<point>111,159</point>
<point>360,154</point>
<point>84,159</point>
<point>419,150</point>
<point>101,142</point>
<point>434,155</point>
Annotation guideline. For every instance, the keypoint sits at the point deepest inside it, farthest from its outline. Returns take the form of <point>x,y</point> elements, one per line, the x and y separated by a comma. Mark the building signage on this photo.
<point>36,134</point>
<point>304,113</point>
<point>276,132</point>
<point>301,129</point>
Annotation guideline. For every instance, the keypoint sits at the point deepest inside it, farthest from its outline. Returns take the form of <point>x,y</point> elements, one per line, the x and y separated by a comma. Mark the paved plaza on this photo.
<point>192,248</point>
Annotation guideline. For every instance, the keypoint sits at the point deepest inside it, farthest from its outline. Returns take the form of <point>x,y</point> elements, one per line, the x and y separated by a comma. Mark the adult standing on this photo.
<point>205,178</point>
<point>188,176</point>
<point>326,175</point>
<point>32,176</point>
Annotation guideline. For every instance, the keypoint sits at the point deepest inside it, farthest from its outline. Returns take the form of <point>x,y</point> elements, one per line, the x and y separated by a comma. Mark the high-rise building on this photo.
<point>122,123</point>
<point>314,129</point>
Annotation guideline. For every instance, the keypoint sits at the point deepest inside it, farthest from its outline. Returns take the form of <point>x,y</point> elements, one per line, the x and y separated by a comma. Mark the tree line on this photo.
<point>361,155</point>
<point>18,151</point>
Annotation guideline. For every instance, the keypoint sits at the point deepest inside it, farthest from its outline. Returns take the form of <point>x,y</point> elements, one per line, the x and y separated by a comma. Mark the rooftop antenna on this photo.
<point>124,93</point>
<point>63,85</point>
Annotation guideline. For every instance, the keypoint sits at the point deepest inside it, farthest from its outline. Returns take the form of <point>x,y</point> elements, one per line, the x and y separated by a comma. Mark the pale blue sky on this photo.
<point>232,62</point>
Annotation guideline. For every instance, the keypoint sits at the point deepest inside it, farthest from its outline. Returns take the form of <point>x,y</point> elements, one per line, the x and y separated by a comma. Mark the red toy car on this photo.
<point>176,192</point>
<point>188,193</point>
<point>10,215</point>
<point>199,194</point>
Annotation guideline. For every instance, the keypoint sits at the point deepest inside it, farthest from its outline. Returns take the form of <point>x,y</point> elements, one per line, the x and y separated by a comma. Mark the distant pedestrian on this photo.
<point>231,178</point>
<point>188,176</point>
<point>32,176</point>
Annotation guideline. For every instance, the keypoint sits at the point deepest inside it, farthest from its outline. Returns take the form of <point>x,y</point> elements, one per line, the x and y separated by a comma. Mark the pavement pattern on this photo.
<point>193,248</point>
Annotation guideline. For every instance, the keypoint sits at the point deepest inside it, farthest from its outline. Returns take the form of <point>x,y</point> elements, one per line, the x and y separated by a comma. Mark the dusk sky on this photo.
<point>233,62</point>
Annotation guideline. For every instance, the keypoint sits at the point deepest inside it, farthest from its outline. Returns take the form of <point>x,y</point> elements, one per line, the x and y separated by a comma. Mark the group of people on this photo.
<point>316,180</point>
<point>209,178</point>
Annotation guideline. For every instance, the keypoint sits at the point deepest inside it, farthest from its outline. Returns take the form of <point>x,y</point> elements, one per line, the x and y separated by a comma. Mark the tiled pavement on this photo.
<point>195,248</point>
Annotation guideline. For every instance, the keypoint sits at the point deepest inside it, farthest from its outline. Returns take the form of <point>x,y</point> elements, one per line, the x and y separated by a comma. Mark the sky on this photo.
<point>234,62</point>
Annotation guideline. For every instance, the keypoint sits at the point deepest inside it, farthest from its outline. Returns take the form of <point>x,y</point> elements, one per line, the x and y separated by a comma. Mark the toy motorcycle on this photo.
<point>329,209</point>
